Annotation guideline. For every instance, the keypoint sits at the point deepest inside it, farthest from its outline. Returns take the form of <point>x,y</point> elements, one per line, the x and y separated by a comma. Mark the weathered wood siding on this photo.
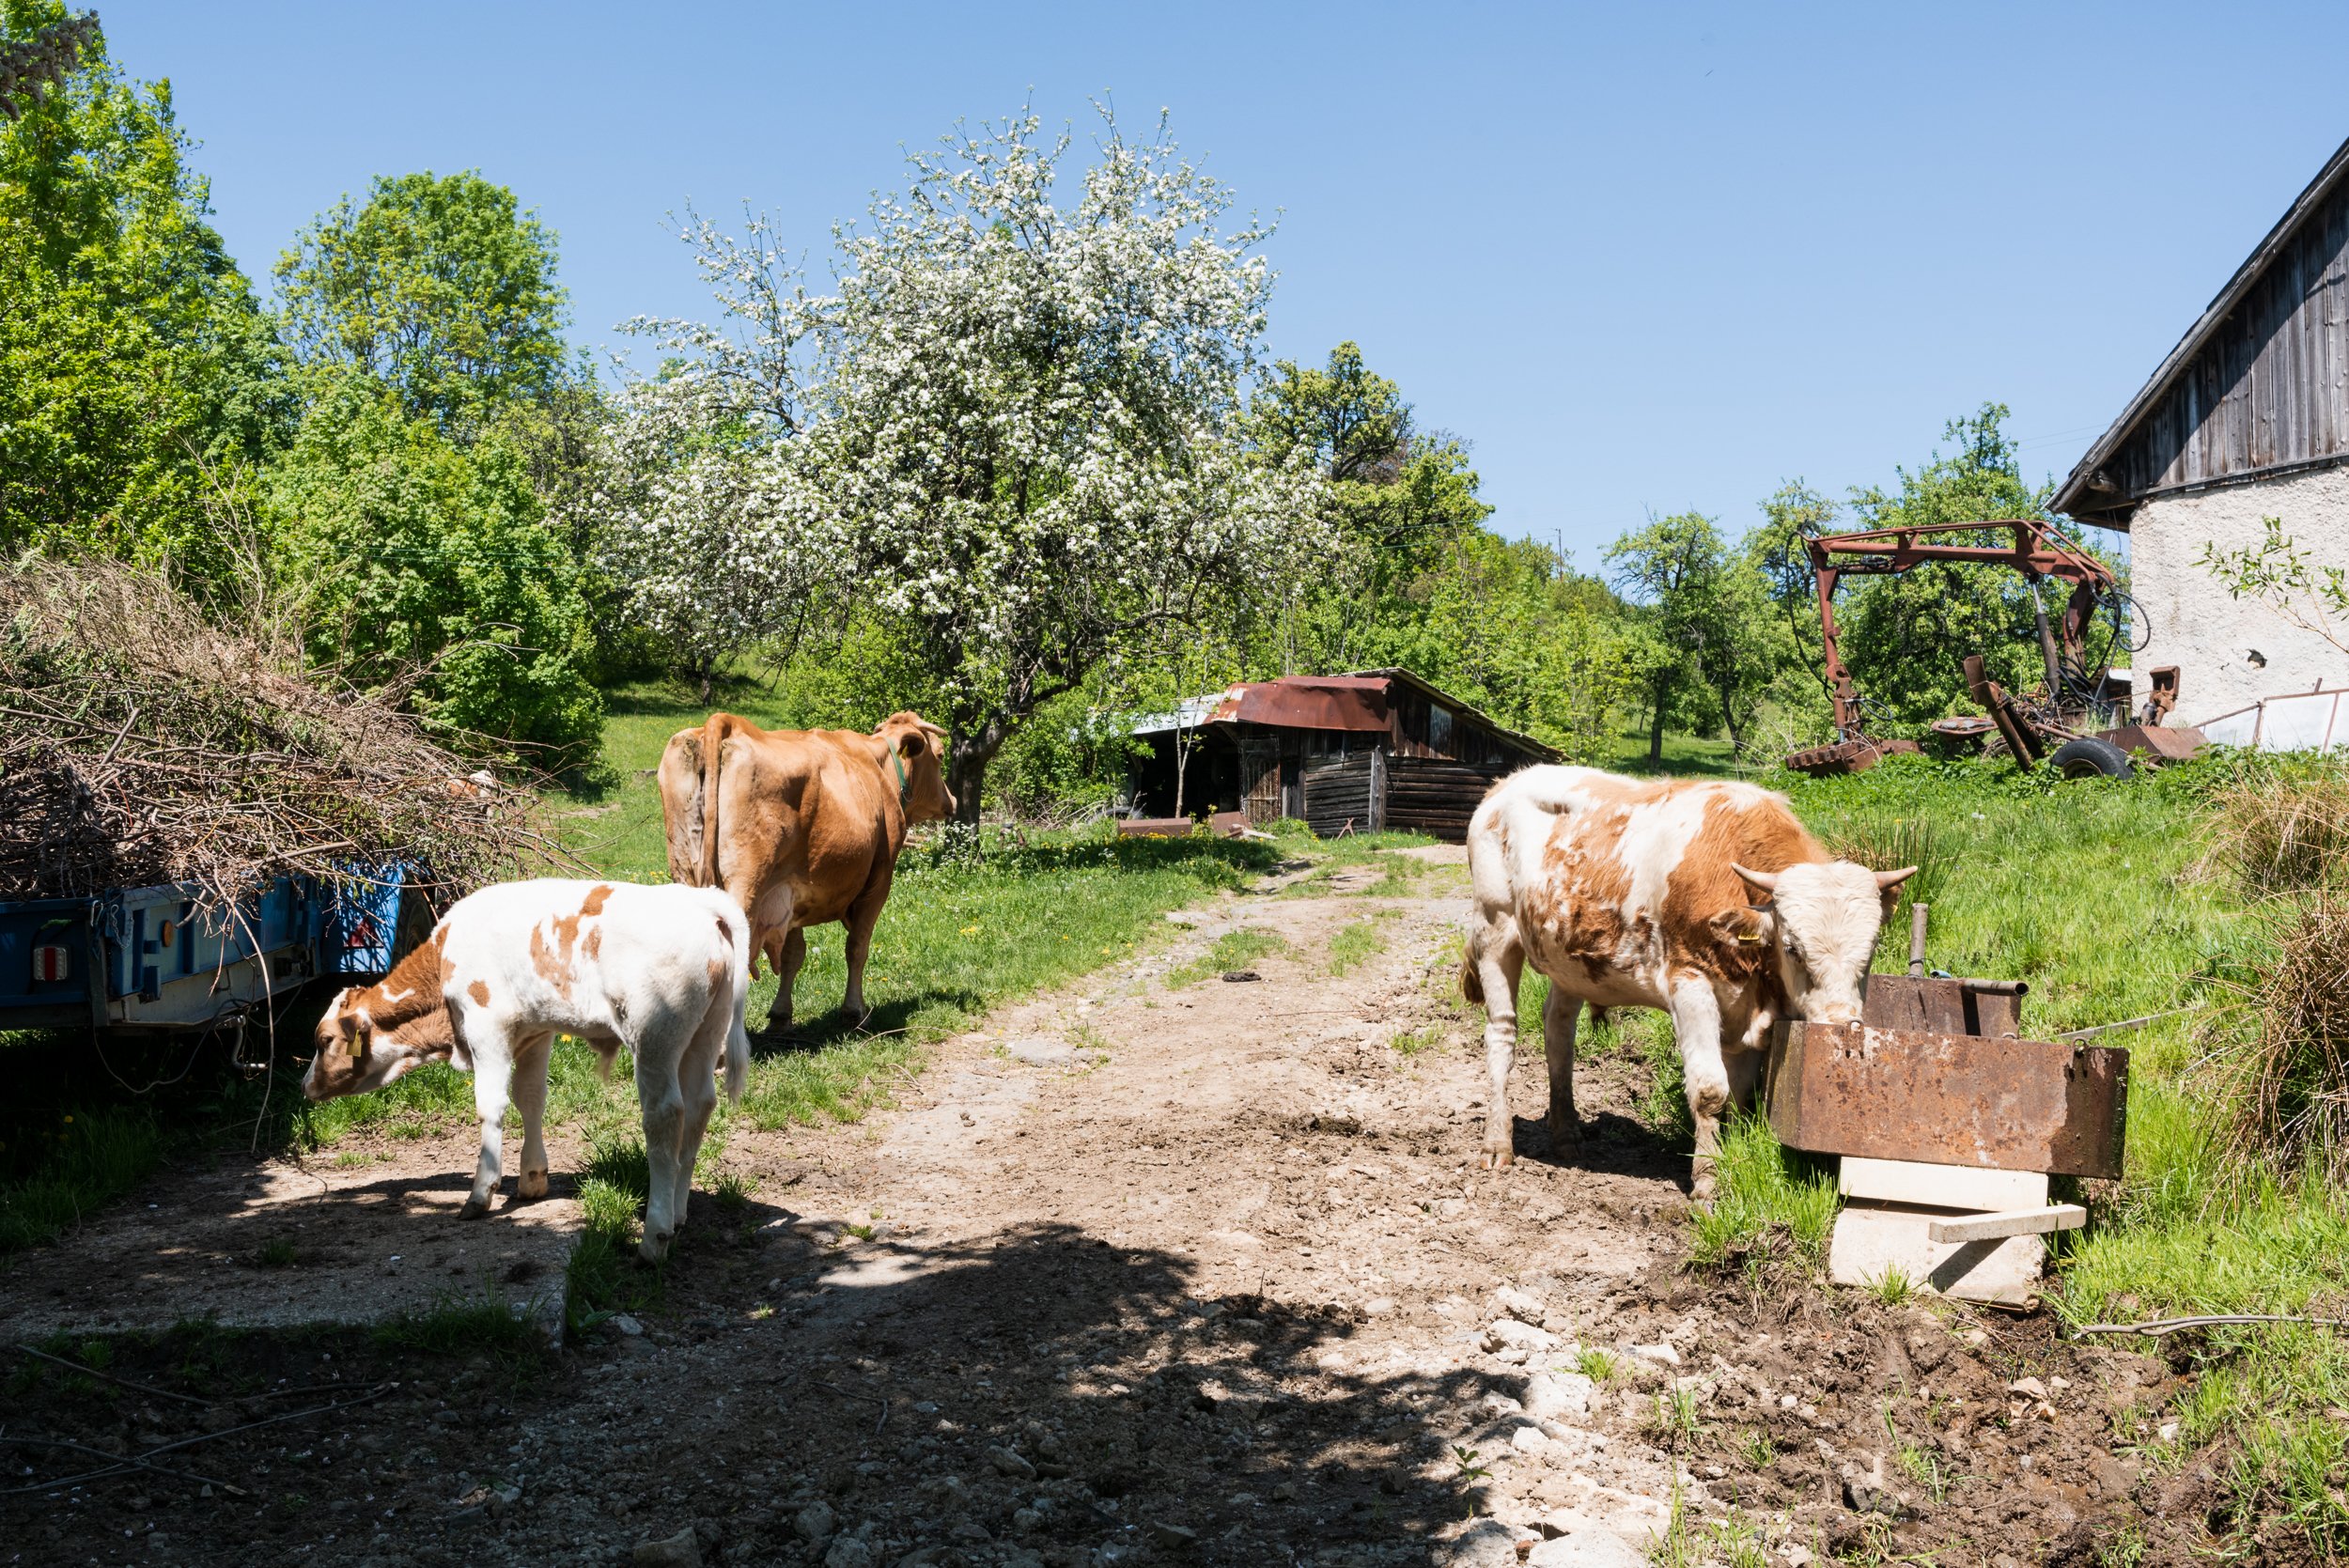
<point>2270,387</point>
<point>1408,794</point>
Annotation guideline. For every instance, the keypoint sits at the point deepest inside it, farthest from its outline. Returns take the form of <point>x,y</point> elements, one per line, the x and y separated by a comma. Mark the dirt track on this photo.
<point>1165,1274</point>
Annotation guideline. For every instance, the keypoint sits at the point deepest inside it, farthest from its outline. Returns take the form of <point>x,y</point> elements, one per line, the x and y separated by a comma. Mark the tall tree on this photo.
<point>1905,637</point>
<point>437,286</point>
<point>138,383</point>
<point>437,423</point>
<point>1018,417</point>
<point>1397,499</point>
<point>1707,611</point>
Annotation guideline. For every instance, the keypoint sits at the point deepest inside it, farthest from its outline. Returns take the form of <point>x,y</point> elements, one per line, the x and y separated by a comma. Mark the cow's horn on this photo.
<point>1765,881</point>
<point>1888,880</point>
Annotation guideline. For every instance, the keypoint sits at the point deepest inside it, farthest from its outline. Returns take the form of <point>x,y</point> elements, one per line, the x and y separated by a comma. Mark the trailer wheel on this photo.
<point>2089,758</point>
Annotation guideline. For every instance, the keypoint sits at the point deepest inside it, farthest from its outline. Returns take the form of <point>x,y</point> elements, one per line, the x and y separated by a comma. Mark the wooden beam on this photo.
<point>2012,1222</point>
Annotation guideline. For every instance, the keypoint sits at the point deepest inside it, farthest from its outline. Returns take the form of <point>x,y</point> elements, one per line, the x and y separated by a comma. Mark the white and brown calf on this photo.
<point>663,971</point>
<point>1705,898</point>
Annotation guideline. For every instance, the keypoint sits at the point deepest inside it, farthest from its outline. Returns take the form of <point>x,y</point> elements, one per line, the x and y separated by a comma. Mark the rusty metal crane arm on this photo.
<point>2037,552</point>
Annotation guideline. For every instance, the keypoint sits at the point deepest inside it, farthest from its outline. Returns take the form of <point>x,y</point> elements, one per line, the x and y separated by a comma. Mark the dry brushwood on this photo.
<point>141,742</point>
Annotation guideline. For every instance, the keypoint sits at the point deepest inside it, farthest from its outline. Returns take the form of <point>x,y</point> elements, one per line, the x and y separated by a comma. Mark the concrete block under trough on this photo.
<point>1873,1241</point>
<point>1948,1186</point>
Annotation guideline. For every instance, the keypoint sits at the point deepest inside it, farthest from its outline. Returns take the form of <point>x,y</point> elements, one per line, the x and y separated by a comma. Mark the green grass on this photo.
<point>1233,949</point>
<point>70,1164</point>
<point>458,1324</point>
<point>1351,946</point>
<point>1770,1202</point>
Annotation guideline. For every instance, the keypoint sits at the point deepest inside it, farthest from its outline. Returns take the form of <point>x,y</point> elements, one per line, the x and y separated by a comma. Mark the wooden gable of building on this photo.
<point>2259,387</point>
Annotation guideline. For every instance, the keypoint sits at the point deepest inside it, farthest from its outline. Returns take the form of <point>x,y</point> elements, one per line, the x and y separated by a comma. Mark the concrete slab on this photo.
<point>364,1235</point>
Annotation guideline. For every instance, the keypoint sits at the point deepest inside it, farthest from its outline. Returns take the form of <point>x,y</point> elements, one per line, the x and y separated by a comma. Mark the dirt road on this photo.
<point>1153,1272</point>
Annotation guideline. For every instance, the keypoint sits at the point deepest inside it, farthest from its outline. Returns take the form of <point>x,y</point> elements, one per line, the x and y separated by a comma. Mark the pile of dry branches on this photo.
<point>142,742</point>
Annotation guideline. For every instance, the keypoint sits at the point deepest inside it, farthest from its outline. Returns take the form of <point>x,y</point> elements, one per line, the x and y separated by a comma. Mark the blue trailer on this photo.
<point>154,958</point>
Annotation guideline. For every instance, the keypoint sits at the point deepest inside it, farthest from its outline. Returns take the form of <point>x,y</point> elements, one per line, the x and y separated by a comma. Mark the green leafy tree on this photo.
<point>1397,499</point>
<point>1710,649</point>
<point>429,568</point>
<point>139,387</point>
<point>1905,637</point>
<point>438,287</point>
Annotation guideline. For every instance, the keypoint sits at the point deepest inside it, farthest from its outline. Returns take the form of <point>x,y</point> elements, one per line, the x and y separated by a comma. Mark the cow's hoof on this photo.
<point>1701,1187</point>
<point>531,1184</point>
<point>654,1247</point>
<point>1565,1136</point>
<point>475,1208</point>
<point>1499,1159</point>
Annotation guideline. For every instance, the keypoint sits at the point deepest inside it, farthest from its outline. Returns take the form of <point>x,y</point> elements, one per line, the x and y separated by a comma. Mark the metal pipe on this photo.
<point>1916,941</point>
<point>1996,988</point>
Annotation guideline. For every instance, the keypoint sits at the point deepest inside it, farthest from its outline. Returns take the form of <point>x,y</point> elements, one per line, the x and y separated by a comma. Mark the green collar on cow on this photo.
<point>905,787</point>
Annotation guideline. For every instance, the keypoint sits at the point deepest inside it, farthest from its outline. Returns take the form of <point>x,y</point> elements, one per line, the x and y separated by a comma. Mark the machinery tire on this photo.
<point>2089,758</point>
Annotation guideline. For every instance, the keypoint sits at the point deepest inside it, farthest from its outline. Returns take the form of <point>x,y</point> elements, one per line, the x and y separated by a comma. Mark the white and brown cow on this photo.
<point>1705,898</point>
<point>664,971</point>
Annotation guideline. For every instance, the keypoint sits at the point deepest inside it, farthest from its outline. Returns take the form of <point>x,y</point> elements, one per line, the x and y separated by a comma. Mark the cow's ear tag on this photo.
<point>1748,938</point>
<point>359,1042</point>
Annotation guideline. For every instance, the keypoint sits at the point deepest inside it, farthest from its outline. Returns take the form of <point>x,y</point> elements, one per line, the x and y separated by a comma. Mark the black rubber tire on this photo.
<point>2089,758</point>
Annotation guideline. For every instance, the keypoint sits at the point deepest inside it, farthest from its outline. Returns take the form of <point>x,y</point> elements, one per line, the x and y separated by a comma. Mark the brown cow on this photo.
<point>800,827</point>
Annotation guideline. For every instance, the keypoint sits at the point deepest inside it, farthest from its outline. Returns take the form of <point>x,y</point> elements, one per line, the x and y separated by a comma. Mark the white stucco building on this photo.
<point>2247,419</point>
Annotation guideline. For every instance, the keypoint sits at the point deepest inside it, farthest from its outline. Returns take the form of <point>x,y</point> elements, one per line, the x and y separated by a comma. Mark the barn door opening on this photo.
<point>1260,781</point>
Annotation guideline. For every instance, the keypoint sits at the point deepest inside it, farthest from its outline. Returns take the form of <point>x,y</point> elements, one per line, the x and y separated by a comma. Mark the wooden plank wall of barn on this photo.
<point>1417,795</point>
<point>2271,386</point>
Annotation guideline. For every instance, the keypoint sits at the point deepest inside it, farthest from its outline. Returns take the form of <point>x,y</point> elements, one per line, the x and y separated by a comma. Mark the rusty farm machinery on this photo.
<point>2078,720</point>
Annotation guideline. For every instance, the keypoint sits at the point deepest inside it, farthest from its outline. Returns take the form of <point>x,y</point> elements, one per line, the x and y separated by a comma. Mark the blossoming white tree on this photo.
<point>1016,423</point>
<point>699,513</point>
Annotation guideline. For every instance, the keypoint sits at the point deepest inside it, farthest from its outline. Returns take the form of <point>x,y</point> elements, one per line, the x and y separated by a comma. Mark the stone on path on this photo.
<point>677,1551</point>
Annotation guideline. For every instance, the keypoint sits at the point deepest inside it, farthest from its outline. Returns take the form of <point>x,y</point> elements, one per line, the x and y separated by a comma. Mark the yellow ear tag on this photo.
<point>1748,938</point>
<point>359,1044</point>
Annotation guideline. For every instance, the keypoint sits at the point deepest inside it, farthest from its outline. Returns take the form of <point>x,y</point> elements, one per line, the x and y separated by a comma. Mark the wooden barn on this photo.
<point>2247,419</point>
<point>1372,750</point>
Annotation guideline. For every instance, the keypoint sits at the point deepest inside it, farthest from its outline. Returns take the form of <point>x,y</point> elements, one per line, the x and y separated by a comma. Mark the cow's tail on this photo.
<point>1471,983</point>
<point>714,742</point>
<point>735,927</point>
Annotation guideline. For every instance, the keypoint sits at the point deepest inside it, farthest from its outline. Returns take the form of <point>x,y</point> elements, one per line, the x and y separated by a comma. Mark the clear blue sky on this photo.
<point>1644,257</point>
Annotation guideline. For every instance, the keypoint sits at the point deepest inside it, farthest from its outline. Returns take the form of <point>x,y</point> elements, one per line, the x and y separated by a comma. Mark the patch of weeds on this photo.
<point>1351,946</point>
<point>1470,1471</point>
<point>85,1159</point>
<point>458,1324</point>
<point>1673,1416</point>
<point>1399,877</point>
<point>621,1163</point>
<point>1599,1366</point>
<point>1233,949</point>
<point>2125,1549</point>
<point>353,1159</point>
<point>600,1276</point>
<point>1756,1449</point>
<point>1767,1200</point>
<point>1737,1542</point>
<point>1411,1042</point>
<point>732,1193</point>
<point>277,1252</point>
<point>1921,1465</point>
<point>1892,1287</point>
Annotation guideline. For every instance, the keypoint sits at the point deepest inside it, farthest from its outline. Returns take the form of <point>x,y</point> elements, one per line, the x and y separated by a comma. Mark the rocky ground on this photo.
<point>1152,1273</point>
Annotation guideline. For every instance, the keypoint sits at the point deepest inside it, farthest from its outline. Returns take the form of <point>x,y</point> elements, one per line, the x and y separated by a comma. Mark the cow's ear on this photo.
<point>1749,928</point>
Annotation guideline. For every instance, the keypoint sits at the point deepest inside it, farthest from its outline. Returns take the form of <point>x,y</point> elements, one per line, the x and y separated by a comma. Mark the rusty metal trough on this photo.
<point>1996,1103</point>
<point>1949,1125</point>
